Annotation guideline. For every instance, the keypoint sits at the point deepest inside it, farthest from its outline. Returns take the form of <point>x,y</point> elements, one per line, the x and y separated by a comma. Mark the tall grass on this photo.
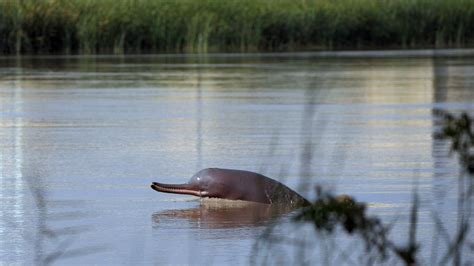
<point>121,26</point>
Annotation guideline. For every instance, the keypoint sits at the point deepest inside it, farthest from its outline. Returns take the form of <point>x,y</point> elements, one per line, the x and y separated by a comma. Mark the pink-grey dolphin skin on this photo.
<point>235,185</point>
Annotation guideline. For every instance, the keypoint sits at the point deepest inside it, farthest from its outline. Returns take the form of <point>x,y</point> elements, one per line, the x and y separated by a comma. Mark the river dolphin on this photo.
<point>235,185</point>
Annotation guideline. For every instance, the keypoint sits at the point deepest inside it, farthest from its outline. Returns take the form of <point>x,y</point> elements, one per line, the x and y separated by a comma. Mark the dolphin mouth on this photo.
<point>185,189</point>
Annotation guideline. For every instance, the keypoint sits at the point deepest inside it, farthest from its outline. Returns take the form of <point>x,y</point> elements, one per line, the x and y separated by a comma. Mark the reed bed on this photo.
<point>143,26</point>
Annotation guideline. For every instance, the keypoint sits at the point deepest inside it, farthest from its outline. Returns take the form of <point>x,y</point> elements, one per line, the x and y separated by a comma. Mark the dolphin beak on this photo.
<point>177,189</point>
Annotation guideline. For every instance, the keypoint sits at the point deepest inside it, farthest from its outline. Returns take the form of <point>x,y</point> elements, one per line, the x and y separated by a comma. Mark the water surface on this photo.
<point>82,137</point>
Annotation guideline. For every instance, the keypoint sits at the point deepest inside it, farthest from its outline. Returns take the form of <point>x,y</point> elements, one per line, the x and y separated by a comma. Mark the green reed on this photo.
<point>135,26</point>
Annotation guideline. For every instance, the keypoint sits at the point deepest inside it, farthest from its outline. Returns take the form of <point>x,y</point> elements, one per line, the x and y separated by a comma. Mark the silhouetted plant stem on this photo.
<point>458,130</point>
<point>329,212</point>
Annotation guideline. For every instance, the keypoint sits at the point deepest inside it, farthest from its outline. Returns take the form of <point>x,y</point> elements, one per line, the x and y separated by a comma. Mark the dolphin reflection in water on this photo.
<point>214,214</point>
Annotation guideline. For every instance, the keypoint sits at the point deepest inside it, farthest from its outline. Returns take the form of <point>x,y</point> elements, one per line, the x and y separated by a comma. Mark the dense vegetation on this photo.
<point>120,26</point>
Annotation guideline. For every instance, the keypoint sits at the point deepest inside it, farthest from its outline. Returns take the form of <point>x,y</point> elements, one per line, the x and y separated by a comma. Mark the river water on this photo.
<point>82,137</point>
